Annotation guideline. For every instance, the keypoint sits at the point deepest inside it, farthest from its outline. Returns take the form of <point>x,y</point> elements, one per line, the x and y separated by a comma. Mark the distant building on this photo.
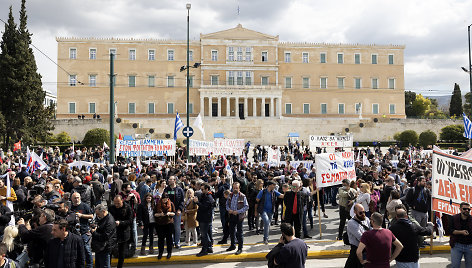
<point>50,99</point>
<point>243,73</point>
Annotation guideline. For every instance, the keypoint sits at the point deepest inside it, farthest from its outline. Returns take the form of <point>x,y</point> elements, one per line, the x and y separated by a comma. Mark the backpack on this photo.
<point>345,235</point>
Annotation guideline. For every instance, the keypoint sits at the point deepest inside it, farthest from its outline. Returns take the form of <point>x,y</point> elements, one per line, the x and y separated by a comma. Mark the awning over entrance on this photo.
<point>218,135</point>
<point>293,135</point>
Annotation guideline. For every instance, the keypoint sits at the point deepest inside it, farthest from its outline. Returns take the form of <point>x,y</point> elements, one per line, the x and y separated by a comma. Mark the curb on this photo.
<point>245,257</point>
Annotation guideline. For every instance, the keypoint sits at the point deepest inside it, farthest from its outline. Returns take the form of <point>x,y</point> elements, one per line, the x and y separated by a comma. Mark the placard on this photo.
<point>146,148</point>
<point>330,141</point>
<point>332,168</point>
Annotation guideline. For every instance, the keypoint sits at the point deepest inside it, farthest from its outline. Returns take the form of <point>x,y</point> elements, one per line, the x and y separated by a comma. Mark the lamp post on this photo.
<point>188,78</point>
<point>470,71</point>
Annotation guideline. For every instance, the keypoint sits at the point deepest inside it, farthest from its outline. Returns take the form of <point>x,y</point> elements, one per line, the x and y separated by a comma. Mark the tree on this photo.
<point>410,97</point>
<point>433,111</point>
<point>452,133</point>
<point>427,138</point>
<point>63,137</point>
<point>455,108</point>
<point>21,93</point>
<point>467,107</point>
<point>96,136</point>
<point>406,137</point>
<point>420,105</point>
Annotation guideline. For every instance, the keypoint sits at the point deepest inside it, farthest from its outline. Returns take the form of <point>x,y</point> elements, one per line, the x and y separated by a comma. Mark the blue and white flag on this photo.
<point>178,125</point>
<point>467,127</point>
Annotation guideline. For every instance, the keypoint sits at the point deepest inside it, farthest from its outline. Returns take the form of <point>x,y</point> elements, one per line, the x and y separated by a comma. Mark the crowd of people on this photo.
<point>95,212</point>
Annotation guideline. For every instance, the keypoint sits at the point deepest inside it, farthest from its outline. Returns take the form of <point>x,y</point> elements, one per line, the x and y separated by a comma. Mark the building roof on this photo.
<point>239,33</point>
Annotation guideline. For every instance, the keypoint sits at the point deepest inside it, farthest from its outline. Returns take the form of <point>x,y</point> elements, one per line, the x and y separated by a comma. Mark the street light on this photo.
<point>188,78</point>
<point>469,70</point>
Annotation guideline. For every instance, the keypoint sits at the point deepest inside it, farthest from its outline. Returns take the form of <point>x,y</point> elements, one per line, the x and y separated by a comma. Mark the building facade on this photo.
<point>243,74</point>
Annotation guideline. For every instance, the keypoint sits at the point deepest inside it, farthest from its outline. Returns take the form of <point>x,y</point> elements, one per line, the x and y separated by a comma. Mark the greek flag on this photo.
<point>467,127</point>
<point>178,125</point>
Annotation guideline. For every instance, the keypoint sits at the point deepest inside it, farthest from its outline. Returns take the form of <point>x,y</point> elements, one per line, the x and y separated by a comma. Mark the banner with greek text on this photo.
<point>308,164</point>
<point>330,141</point>
<point>228,147</point>
<point>146,148</point>
<point>452,183</point>
<point>201,147</point>
<point>273,157</point>
<point>332,168</point>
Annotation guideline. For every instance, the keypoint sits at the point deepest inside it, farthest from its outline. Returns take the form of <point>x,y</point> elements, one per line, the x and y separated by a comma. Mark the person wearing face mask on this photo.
<point>355,228</point>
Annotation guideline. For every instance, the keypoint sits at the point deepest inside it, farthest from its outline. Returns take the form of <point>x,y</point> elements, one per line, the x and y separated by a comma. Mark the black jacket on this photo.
<point>104,238</point>
<point>206,203</point>
<point>142,215</point>
<point>4,220</point>
<point>419,199</point>
<point>125,216</point>
<point>288,202</point>
<point>36,239</point>
<point>74,252</point>
<point>222,187</point>
<point>408,232</point>
<point>176,196</point>
<point>86,194</point>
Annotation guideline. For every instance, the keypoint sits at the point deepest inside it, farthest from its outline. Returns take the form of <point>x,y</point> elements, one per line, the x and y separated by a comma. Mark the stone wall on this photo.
<point>261,130</point>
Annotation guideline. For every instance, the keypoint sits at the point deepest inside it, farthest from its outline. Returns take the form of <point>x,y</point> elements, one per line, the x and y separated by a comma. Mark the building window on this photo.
<point>375,108</point>
<point>93,80</point>
<point>230,54</point>
<point>306,82</point>
<point>265,80</point>
<point>288,108</point>
<point>214,55</point>
<point>340,82</point>
<point>391,83</point>
<point>248,54</point>
<point>340,108</point>
<point>214,80</point>
<point>131,81</point>
<point>72,80</point>
<point>288,82</point>
<point>239,78</point>
<point>190,81</point>
<point>340,58</point>
<point>390,59</point>
<point>72,53</point>
<point>190,108</point>
<point>306,108</point>
<point>357,83</point>
<point>151,54</point>
<point>93,54</point>
<point>170,108</point>
<point>72,107</point>
<point>264,56</point>
<point>374,58</point>
<point>231,78</point>
<point>151,107</point>
<point>170,55</point>
<point>324,108</point>
<point>91,109</point>
<point>113,51</point>
<point>358,108</point>
<point>392,109</point>
<point>305,57</point>
<point>132,54</point>
<point>357,58</point>
<point>131,108</point>
<point>151,81</point>
<point>248,78</point>
<point>323,57</point>
<point>190,55</point>
<point>239,54</point>
<point>375,83</point>
<point>170,81</point>
<point>288,57</point>
<point>323,82</point>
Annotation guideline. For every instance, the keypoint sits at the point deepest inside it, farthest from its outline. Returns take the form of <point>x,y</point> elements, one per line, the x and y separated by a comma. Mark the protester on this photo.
<point>461,237</point>
<point>164,213</point>
<point>146,222</point>
<point>103,237</point>
<point>347,195</point>
<point>356,226</point>
<point>205,218</point>
<point>293,204</point>
<point>176,196</point>
<point>294,251</point>
<point>237,206</point>
<point>265,203</point>
<point>123,216</point>
<point>65,249</point>
<point>190,217</point>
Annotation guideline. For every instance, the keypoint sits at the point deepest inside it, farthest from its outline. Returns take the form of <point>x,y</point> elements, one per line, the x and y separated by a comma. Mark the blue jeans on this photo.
<point>408,264</point>
<point>305,231</point>
<point>135,232</point>
<point>177,229</point>
<point>205,230</point>
<point>457,252</point>
<point>102,260</point>
<point>88,250</point>
<point>266,218</point>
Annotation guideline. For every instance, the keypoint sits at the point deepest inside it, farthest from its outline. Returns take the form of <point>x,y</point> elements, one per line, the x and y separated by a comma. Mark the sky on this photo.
<point>434,32</point>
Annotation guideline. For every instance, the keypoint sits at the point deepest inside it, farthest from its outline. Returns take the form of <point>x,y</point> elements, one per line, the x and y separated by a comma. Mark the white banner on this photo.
<point>332,168</point>
<point>330,141</point>
<point>452,183</point>
<point>308,164</point>
<point>273,157</point>
<point>201,147</point>
<point>228,147</point>
<point>146,148</point>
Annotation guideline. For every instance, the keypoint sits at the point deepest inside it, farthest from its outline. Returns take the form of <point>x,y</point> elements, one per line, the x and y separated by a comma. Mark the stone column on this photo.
<point>279,106</point>
<point>219,106</point>
<point>263,107</point>
<point>236,107</point>
<point>202,106</point>
<point>271,107</point>
<point>228,106</point>
<point>245,107</point>
<point>254,107</point>
<point>210,108</point>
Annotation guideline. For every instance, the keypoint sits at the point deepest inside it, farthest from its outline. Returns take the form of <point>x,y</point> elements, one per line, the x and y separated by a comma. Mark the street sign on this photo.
<point>188,132</point>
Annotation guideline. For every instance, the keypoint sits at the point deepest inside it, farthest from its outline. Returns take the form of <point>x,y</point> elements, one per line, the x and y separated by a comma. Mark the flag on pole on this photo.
<point>138,165</point>
<point>358,159</point>
<point>120,137</point>
<point>105,145</point>
<point>29,159</point>
<point>178,125</point>
<point>365,161</point>
<point>467,127</point>
<point>9,203</point>
<point>410,161</point>
<point>440,226</point>
<point>17,146</point>
<point>199,124</point>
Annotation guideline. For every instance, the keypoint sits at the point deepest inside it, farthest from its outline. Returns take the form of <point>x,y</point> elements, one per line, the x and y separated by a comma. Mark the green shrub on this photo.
<point>96,137</point>
<point>452,133</point>
<point>62,137</point>
<point>406,137</point>
<point>427,138</point>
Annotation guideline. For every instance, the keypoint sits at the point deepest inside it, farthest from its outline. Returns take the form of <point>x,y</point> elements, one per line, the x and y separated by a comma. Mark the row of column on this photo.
<point>273,110</point>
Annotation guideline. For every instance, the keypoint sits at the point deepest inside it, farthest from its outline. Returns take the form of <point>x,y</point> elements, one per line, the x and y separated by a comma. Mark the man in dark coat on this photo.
<point>123,216</point>
<point>103,236</point>
<point>65,249</point>
<point>4,219</point>
<point>293,211</point>
<point>206,204</point>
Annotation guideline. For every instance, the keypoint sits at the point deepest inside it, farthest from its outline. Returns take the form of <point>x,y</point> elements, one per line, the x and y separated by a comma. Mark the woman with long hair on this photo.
<point>159,189</point>
<point>13,242</point>
<point>364,197</point>
<point>146,221</point>
<point>164,214</point>
<point>190,215</point>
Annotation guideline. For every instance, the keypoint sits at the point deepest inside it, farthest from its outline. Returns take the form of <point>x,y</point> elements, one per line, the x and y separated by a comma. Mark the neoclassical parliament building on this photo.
<point>243,74</point>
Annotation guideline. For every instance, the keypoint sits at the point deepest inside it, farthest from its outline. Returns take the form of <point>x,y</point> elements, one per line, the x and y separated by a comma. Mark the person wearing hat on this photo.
<point>265,209</point>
